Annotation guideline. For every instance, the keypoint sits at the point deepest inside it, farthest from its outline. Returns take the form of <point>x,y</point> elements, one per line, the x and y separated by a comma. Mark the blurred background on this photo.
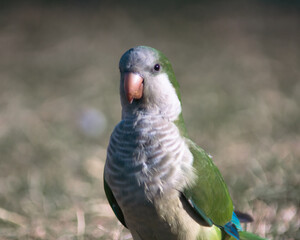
<point>238,64</point>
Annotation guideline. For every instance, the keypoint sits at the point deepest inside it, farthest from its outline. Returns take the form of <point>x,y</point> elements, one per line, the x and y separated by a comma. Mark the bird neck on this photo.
<point>169,112</point>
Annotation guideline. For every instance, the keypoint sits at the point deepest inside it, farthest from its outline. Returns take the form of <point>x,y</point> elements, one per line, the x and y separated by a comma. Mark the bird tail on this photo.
<point>249,236</point>
<point>237,219</point>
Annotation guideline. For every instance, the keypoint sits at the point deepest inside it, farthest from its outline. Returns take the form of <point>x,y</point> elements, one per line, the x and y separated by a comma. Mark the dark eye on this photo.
<point>156,67</point>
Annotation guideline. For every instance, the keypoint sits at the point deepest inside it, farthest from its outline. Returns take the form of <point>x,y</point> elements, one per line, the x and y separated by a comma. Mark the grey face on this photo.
<point>139,60</point>
<point>145,84</point>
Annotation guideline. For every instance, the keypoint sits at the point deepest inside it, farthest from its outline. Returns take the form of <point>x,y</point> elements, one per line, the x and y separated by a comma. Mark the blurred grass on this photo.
<point>238,66</point>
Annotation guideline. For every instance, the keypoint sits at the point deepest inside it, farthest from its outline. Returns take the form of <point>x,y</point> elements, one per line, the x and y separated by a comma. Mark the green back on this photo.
<point>209,193</point>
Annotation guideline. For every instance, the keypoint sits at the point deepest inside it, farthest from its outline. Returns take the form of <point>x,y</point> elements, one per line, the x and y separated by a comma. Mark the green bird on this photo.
<point>159,183</point>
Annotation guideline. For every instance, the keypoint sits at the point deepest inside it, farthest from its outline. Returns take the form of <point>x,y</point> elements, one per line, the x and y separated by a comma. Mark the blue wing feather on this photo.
<point>235,220</point>
<point>231,230</point>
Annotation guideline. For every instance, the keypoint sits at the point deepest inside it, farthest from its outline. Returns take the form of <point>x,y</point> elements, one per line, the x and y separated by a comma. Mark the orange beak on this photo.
<point>133,86</point>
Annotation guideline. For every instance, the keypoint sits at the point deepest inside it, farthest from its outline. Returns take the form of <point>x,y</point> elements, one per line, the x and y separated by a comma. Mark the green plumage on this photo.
<point>248,236</point>
<point>209,193</point>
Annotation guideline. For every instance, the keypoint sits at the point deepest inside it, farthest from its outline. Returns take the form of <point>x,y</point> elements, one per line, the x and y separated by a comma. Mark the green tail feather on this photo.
<point>248,236</point>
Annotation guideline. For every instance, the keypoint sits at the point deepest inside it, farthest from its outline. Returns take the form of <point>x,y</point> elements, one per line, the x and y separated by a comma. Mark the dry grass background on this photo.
<point>238,66</point>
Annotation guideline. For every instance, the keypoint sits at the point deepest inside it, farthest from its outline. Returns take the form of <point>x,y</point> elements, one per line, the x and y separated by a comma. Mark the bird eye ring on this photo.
<point>156,67</point>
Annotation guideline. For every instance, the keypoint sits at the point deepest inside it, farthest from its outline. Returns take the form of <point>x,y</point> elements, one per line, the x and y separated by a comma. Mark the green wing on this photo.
<point>113,203</point>
<point>209,195</point>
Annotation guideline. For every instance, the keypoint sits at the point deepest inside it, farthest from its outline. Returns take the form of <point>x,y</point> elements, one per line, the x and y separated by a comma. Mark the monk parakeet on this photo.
<point>159,183</point>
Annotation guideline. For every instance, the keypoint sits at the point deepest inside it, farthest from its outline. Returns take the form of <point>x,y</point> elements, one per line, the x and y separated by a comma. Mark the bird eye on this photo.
<point>156,67</point>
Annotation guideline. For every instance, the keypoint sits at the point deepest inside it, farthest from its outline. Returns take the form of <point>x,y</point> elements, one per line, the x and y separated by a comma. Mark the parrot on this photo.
<point>158,182</point>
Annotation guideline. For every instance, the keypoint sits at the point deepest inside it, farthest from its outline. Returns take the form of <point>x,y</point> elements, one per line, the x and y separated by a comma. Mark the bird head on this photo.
<point>148,82</point>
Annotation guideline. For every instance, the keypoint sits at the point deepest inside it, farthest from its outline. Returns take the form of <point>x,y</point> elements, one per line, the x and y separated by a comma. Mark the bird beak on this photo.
<point>133,86</point>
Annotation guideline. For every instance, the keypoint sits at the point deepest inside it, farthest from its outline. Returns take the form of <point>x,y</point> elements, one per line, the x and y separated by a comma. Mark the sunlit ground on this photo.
<point>238,67</point>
